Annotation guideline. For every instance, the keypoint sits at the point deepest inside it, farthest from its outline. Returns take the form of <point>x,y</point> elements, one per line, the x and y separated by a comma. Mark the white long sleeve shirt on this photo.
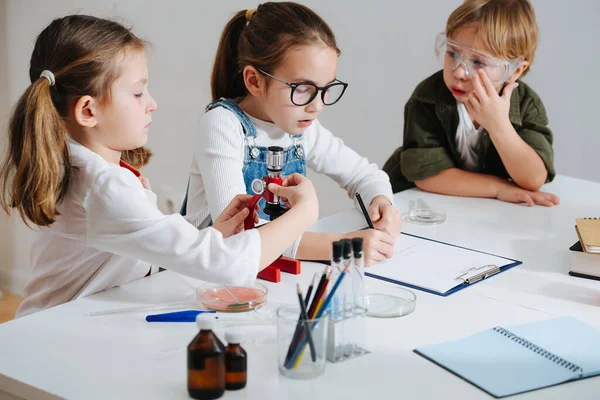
<point>109,232</point>
<point>216,172</point>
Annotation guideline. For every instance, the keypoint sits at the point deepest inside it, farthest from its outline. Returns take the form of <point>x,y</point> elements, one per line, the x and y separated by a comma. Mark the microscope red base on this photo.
<point>285,264</point>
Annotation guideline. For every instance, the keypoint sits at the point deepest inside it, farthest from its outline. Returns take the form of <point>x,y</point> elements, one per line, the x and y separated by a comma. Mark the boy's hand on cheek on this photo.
<point>486,107</point>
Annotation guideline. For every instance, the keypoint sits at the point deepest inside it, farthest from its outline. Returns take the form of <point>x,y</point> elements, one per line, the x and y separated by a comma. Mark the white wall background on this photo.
<point>387,48</point>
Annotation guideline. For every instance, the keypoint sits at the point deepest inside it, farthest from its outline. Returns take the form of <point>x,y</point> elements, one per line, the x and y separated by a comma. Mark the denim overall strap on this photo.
<point>247,126</point>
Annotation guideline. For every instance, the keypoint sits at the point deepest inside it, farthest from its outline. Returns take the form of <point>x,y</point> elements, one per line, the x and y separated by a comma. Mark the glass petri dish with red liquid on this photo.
<point>227,298</point>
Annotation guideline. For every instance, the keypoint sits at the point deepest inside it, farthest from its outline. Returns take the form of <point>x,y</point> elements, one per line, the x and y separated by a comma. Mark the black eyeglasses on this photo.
<point>304,92</point>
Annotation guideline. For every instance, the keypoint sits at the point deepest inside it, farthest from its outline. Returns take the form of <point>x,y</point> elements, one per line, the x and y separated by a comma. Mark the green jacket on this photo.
<point>430,124</point>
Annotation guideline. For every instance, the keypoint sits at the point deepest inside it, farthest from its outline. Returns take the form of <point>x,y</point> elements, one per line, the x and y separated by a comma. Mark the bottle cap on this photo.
<point>233,337</point>
<point>347,248</point>
<point>338,248</point>
<point>357,247</point>
<point>205,322</point>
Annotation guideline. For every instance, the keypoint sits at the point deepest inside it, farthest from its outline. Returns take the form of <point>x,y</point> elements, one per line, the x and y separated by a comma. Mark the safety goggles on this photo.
<point>452,55</point>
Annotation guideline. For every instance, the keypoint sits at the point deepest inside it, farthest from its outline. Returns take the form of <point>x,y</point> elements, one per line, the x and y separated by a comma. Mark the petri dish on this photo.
<point>421,213</point>
<point>390,302</point>
<point>226,298</point>
<point>425,217</point>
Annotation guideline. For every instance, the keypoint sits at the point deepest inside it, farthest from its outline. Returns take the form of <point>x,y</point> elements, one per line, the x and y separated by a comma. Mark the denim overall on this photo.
<point>255,157</point>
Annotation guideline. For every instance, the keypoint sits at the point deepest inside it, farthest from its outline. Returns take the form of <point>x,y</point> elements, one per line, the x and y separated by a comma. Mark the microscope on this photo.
<point>274,209</point>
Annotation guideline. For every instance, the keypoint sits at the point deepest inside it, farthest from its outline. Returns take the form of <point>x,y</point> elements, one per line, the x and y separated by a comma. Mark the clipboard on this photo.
<point>469,278</point>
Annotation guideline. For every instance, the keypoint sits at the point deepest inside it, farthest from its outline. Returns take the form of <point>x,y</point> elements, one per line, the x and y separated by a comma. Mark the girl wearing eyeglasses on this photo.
<point>274,73</point>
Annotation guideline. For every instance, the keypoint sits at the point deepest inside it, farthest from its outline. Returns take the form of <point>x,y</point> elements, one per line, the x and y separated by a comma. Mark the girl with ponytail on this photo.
<point>76,139</point>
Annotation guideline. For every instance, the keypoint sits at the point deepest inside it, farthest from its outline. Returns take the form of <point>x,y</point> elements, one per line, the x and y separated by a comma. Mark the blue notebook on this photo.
<point>518,359</point>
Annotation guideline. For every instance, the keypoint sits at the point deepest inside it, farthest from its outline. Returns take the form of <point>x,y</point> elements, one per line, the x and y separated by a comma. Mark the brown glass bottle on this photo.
<point>236,363</point>
<point>206,362</point>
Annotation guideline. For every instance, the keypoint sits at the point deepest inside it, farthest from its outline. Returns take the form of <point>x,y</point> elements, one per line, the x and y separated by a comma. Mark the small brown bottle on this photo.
<point>206,362</point>
<point>236,362</point>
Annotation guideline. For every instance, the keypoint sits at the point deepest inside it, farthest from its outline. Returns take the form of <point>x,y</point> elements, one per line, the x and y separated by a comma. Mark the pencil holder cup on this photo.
<point>296,359</point>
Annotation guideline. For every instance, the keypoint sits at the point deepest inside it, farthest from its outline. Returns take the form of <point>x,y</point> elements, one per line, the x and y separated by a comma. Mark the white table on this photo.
<point>62,352</point>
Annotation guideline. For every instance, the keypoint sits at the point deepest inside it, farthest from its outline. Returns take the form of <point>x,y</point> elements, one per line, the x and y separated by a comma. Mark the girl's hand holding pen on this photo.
<point>385,216</point>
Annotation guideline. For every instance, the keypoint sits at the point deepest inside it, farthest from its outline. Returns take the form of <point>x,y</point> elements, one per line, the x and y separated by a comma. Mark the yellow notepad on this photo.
<point>589,232</point>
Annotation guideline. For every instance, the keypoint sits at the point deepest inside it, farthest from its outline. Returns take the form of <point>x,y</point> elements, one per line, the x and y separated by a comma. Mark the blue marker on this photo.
<point>178,316</point>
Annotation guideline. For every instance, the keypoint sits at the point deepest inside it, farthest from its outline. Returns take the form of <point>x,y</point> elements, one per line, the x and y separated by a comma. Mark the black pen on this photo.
<point>364,210</point>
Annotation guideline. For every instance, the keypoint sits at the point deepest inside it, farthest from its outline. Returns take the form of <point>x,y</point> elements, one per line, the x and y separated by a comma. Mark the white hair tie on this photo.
<point>48,75</point>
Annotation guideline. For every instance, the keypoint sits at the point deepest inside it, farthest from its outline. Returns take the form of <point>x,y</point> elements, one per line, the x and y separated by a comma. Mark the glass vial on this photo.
<point>358,277</point>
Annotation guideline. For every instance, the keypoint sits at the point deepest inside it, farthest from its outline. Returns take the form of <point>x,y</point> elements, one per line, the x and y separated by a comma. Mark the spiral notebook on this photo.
<point>522,358</point>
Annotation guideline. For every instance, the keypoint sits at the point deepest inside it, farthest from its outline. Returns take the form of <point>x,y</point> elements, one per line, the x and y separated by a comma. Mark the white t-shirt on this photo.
<point>109,232</point>
<point>467,139</point>
<point>216,175</point>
